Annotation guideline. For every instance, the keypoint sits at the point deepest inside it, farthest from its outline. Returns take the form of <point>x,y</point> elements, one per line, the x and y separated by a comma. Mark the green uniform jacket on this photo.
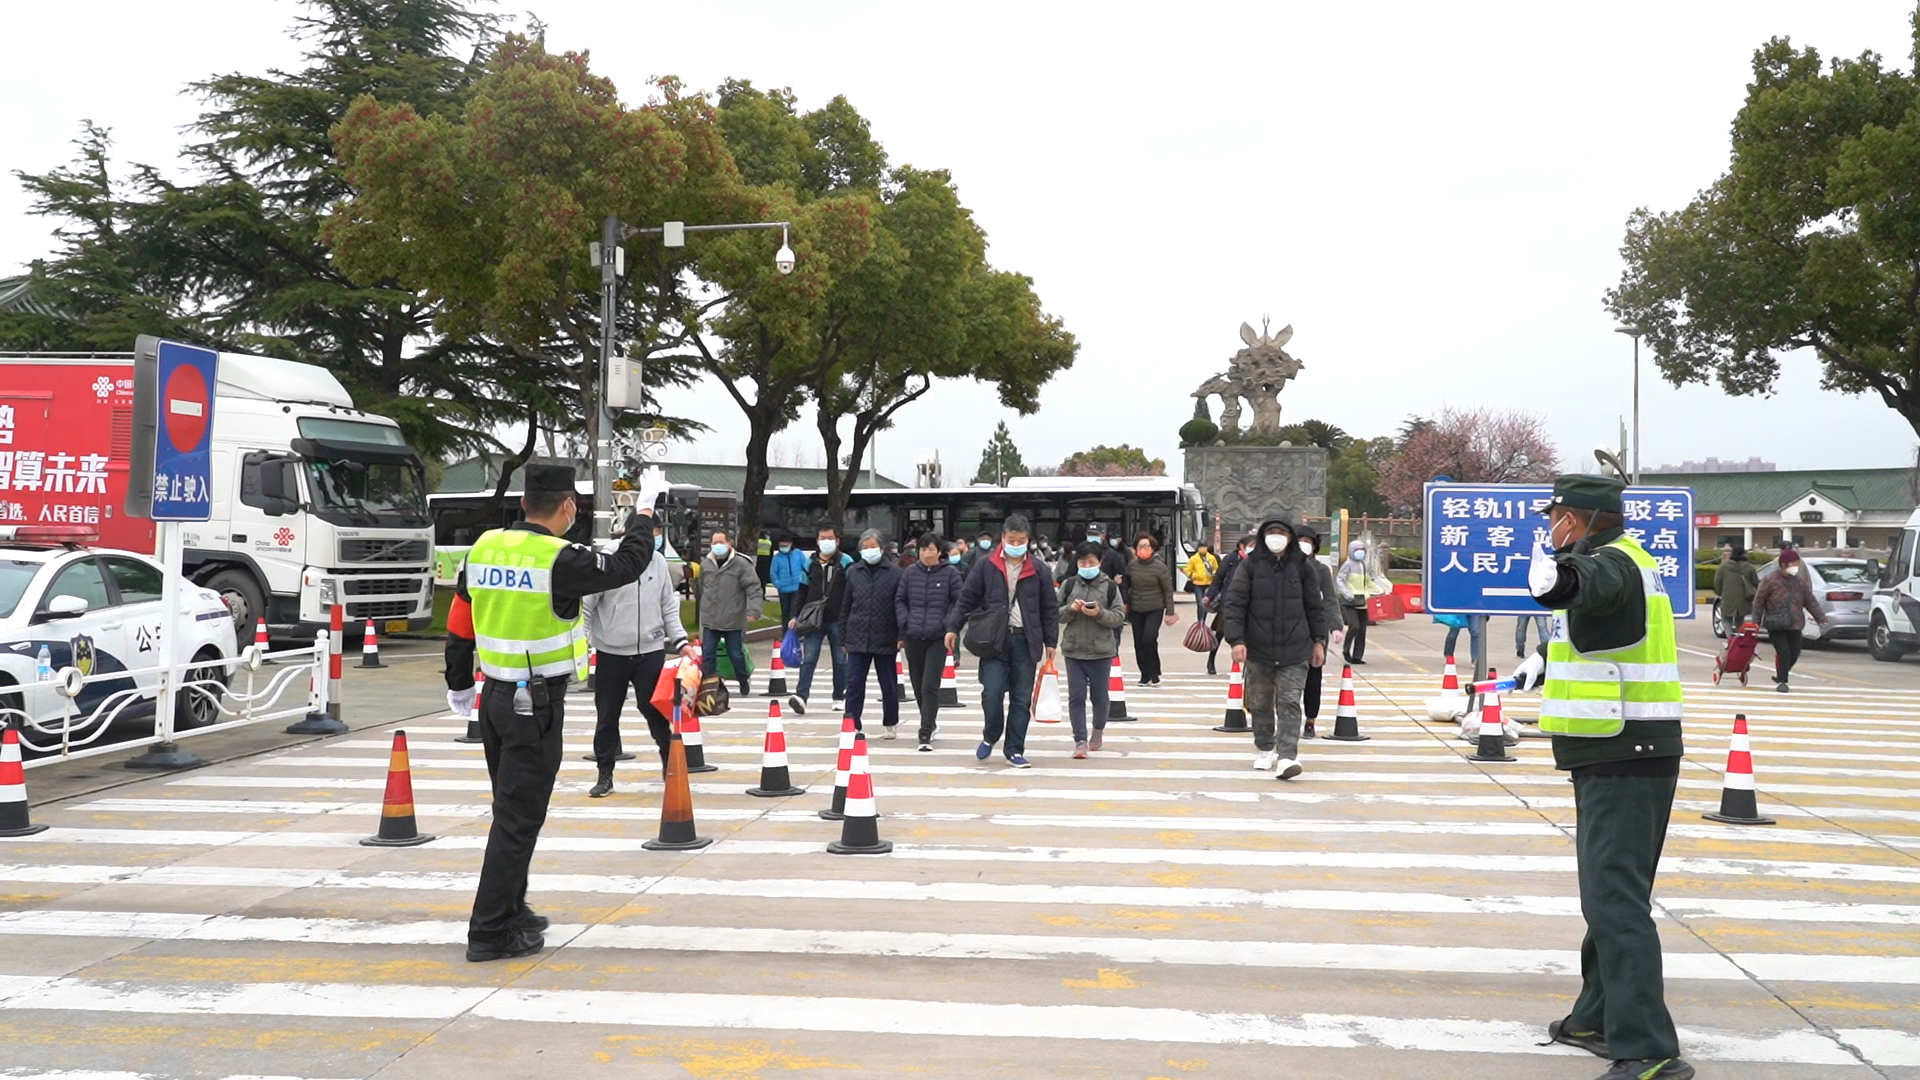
<point>1607,610</point>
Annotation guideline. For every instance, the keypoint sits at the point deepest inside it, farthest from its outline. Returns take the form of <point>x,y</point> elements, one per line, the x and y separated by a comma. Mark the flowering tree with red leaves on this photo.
<point>1469,446</point>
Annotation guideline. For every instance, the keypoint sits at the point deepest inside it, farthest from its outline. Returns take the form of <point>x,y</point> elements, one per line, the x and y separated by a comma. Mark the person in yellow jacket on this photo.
<point>1200,570</point>
<point>1612,703</point>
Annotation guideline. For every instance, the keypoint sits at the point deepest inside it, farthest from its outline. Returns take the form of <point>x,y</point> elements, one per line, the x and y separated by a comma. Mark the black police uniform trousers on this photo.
<point>523,757</point>
<point>1622,822</point>
<point>618,674</point>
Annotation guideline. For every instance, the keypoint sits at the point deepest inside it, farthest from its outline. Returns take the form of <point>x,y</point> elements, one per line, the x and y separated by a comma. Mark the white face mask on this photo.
<point>1792,571</point>
<point>1359,553</point>
<point>1306,547</point>
<point>1276,542</point>
<point>829,546</point>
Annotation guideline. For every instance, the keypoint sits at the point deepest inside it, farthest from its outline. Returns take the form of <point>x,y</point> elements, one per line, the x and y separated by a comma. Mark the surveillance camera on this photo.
<point>783,259</point>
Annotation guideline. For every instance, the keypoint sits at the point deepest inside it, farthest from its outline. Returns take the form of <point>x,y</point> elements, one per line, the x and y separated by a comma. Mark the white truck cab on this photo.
<point>1893,627</point>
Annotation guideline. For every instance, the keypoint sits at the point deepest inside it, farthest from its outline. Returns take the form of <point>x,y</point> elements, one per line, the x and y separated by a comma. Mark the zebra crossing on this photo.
<point>1160,910</point>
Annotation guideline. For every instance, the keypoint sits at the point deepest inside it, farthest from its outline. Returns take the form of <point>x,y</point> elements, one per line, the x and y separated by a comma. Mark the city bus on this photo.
<point>689,514</point>
<point>1060,508</point>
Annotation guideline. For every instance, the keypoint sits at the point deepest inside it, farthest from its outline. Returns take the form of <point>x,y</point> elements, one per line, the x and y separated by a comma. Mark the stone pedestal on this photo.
<point>1246,485</point>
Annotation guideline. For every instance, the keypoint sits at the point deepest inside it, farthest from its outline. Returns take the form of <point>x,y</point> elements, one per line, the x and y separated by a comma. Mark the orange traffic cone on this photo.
<point>397,827</point>
<point>1346,718</point>
<point>1493,728</point>
<point>949,685</point>
<point>1117,692</point>
<point>775,779</point>
<point>1450,678</point>
<point>473,718</point>
<point>260,637</point>
<point>593,668</point>
<point>695,741</point>
<point>14,817</point>
<point>860,828</point>
<point>1739,804</point>
<point>776,674</point>
<point>370,648</point>
<point>1236,720</point>
<point>677,830</point>
<point>843,769</point>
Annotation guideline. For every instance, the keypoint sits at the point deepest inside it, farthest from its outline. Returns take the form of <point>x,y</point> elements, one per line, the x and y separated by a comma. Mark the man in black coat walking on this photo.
<point>1276,623</point>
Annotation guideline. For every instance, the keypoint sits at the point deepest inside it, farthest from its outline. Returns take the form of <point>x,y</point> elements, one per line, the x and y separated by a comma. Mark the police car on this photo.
<point>63,604</point>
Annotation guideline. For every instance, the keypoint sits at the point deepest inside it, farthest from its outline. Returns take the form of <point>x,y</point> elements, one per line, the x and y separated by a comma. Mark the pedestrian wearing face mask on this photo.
<point>730,597</point>
<point>926,595</point>
<point>1090,608</point>
<point>870,631</point>
<point>1217,595</point>
<point>1782,605</point>
<point>1149,606</point>
<point>1356,583</point>
<point>827,586</point>
<point>1276,623</point>
<point>789,569</point>
<point>1307,539</point>
<point>1612,702</point>
<point>1007,584</point>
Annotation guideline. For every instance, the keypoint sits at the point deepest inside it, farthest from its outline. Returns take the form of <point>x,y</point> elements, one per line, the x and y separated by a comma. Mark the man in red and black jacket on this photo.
<point>1010,580</point>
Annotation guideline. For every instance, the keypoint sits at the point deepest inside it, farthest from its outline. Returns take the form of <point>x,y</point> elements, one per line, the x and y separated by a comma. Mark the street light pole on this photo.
<point>1634,333</point>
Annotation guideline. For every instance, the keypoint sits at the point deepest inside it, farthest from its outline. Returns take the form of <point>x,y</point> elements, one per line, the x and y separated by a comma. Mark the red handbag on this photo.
<point>1199,638</point>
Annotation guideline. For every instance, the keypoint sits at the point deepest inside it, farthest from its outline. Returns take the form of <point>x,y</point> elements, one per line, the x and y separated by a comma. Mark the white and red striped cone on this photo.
<point>949,685</point>
<point>1236,718</point>
<point>695,742</point>
<point>1452,702</point>
<point>776,674</point>
<point>473,718</point>
<point>909,692</point>
<point>593,668</point>
<point>775,778</point>
<point>370,648</point>
<point>1346,718</point>
<point>860,828</point>
<point>1117,692</point>
<point>1739,803</point>
<point>843,768</point>
<point>14,816</point>
<point>260,637</point>
<point>1493,728</point>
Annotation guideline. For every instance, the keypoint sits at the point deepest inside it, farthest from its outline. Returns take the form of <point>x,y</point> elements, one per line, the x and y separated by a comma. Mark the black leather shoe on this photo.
<point>517,944</point>
<point>530,920</point>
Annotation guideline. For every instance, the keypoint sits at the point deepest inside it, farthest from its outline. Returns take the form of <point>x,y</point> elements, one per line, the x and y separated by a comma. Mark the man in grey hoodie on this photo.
<point>730,597</point>
<point>633,628</point>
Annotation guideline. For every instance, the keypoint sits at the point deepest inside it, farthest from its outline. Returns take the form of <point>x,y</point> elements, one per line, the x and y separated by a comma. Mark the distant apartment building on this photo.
<point>1715,465</point>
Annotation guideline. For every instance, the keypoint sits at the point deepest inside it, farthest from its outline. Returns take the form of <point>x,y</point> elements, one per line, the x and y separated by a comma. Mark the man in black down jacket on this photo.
<point>1276,622</point>
<point>871,632</point>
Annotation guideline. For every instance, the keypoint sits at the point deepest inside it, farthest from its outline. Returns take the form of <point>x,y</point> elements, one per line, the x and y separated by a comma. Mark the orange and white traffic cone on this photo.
<point>370,648</point>
<point>1493,728</point>
<point>843,769</point>
<point>677,830</point>
<point>15,820</point>
<point>910,691</point>
<point>1346,718</point>
<point>775,778</point>
<point>695,741</point>
<point>593,668</point>
<point>397,827</point>
<point>260,637</point>
<point>1236,719</point>
<point>1452,702</point>
<point>1117,692</point>
<point>776,674</point>
<point>949,684</point>
<point>473,718</point>
<point>860,828</point>
<point>1739,803</point>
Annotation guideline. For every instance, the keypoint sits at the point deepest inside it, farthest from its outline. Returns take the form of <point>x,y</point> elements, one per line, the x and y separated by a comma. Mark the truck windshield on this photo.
<point>15,576</point>
<point>369,492</point>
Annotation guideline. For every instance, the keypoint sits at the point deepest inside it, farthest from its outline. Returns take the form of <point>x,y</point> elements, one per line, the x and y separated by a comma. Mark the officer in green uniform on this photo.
<point>525,583</point>
<point>1611,701</point>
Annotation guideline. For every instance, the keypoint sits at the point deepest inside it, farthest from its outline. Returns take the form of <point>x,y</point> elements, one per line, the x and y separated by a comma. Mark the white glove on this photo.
<point>1531,672</point>
<point>653,484</point>
<point>460,702</point>
<point>1544,574</point>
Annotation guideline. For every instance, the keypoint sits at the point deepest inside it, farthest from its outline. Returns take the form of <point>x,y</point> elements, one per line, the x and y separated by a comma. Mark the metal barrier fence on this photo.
<point>253,687</point>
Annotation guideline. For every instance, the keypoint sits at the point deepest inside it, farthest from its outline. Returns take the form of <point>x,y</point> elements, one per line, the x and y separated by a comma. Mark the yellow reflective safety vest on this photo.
<point>1594,695</point>
<point>516,635</point>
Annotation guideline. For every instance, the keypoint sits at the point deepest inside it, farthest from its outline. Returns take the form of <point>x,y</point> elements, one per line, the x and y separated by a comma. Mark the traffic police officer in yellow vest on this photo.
<point>525,583</point>
<point>1611,701</point>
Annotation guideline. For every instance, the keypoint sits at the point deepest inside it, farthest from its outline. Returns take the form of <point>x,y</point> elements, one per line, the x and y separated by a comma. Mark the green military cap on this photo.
<point>1587,492</point>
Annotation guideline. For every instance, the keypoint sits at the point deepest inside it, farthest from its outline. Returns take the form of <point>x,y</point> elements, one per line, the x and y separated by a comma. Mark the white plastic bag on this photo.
<point>1046,696</point>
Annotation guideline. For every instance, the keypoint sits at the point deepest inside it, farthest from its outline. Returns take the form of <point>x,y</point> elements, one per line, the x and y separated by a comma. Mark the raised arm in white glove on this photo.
<point>1531,672</point>
<point>653,484</point>
<point>1544,573</point>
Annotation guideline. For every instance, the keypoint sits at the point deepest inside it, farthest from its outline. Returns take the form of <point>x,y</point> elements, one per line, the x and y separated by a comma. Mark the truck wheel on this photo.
<point>243,598</point>
<point>1880,641</point>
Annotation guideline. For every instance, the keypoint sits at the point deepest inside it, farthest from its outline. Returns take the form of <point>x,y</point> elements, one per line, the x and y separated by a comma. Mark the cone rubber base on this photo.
<point>621,756</point>
<point>1243,729</point>
<point>778,689</point>
<point>381,841</point>
<point>1729,819</point>
<point>1481,757</point>
<point>880,848</point>
<point>1345,738</point>
<point>27,831</point>
<point>678,845</point>
<point>472,735</point>
<point>825,815</point>
<point>376,663</point>
<point>763,793</point>
<point>317,724</point>
<point>703,768</point>
<point>163,756</point>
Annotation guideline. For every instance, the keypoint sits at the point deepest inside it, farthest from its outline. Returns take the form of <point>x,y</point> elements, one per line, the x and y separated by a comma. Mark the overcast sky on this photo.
<point>1432,195</point>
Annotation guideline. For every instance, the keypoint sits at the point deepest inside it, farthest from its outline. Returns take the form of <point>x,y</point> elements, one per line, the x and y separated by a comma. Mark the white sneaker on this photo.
<point>1289,768</point>
<point>1264,761</point>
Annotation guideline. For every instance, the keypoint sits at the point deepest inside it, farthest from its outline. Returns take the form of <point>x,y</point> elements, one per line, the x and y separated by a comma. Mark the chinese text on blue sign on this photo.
<point>1479,541</point>
<point>182,454</point>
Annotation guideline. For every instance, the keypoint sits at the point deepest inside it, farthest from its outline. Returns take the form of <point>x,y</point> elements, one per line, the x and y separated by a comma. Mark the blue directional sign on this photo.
<point>182,453</point>
<point>1479,542</point>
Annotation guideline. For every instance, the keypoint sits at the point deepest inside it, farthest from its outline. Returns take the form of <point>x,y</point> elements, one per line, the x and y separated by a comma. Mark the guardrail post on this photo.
<point>318,721</point>
<point>166,755</point>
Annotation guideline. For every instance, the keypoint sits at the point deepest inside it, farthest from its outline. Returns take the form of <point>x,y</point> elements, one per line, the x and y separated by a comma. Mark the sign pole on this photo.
<point>166,754</point>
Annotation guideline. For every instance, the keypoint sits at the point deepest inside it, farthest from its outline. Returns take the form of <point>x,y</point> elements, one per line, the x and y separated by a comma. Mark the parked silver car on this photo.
<point>1844,590</point>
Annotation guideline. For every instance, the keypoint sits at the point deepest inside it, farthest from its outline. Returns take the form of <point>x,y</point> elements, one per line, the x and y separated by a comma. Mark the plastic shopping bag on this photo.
<point>1046,695</point>
<point>663,687</point>
<point>790,655</point>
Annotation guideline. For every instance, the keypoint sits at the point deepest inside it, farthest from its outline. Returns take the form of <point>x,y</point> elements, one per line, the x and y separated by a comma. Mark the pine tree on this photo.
<point>1001,459</point>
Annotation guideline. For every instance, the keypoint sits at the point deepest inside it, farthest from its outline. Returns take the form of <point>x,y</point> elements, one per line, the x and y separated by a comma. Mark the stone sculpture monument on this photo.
<point>1246,477</point>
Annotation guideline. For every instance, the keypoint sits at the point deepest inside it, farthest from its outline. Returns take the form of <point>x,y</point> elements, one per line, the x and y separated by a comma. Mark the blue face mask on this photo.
<point>1015,551</point>
<point>784,548</point>
<point>986,543</point>
<point>1093,538</point>
<point>1088,573</point>
<point>828,547</point>
<point>720,550</point>
<point>870,555</point>
<point>955,559</point>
